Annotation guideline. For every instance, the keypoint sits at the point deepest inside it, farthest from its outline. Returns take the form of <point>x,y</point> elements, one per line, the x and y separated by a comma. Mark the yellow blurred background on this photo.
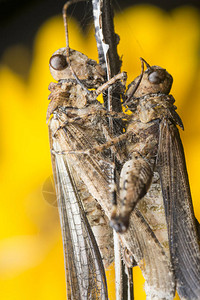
<point>31,258</point>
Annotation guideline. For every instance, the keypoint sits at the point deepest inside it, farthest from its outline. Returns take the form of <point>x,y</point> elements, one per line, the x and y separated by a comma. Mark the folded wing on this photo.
<point>84,268</point>
<point>182,232</point>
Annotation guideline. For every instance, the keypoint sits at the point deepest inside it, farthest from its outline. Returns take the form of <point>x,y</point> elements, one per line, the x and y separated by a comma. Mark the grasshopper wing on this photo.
<point>182,232</point>
<point>85,273</point>
<point>150,257</point>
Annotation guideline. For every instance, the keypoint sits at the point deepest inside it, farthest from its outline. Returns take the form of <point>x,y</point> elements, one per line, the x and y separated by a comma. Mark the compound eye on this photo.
<point>58,62</point>
<point>157,77</point>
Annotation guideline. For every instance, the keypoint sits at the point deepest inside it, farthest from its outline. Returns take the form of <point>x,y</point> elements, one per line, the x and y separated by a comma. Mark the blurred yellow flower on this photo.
<point>31,259</point>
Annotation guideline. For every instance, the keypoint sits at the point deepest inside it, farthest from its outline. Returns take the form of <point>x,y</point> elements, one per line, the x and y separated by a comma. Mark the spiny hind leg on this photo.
<point>135,179</point>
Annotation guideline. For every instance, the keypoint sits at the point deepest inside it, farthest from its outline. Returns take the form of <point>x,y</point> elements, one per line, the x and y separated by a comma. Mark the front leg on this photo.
<point>121,76</point>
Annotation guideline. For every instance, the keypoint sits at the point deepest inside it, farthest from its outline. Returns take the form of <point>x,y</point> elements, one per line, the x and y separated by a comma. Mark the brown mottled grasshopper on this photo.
<point>79,123</point>
<point>68,128</point>
<point>154,148</point>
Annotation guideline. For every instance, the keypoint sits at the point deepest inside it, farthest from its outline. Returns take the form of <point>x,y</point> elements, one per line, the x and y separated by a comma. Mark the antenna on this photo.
<point>139,80</point>
<point>147,65</point>
<point>65,7</point>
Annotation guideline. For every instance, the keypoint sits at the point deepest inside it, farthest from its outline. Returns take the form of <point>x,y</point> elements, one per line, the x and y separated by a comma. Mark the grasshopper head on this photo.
<point>87,70</point>
<point>154,80</point>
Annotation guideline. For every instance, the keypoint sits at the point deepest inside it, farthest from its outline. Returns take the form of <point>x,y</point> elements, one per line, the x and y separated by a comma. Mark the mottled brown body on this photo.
<point>154,149</point>
<point>142,148</point>
<point>69,131</point>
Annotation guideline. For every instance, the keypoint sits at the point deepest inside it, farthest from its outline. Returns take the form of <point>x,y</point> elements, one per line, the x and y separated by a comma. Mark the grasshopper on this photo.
<point>154,148</point>
<point>82,180</point>
<point>84,267</point>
